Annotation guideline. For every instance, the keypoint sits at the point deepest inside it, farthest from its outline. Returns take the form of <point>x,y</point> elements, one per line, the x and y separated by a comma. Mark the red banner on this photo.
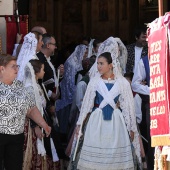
<point>159,78</point>
<point>11,30</point>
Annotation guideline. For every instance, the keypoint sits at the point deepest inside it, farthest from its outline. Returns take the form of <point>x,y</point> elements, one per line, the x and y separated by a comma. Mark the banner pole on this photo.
<point>17,16</point>
<point>160,7</point>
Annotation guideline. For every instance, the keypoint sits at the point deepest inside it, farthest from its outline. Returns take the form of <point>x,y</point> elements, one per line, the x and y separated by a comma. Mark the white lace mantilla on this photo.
<point>30,81</point>
<point>118,53</point>
<point>27,52</point>
<point>72,65</point>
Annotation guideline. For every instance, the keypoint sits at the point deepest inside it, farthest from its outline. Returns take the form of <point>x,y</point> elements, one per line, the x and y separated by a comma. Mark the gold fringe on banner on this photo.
<point>160,140</point>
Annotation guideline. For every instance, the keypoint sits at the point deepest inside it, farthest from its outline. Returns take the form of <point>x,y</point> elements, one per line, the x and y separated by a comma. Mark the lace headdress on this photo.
<point>109,45</point>
<point>27,52</point>
<point>122,57</point>
<point>72,65</point>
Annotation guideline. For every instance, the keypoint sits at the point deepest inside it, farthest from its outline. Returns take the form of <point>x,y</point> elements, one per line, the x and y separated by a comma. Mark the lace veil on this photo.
<point>122,55</point>
<point>30,82</point>
<point>72,65</point>
<point>27,52</point>
<point>109,45</point>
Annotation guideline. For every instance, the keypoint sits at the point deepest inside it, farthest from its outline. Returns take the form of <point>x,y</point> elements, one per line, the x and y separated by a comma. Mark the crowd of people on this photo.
<point>90,112</point>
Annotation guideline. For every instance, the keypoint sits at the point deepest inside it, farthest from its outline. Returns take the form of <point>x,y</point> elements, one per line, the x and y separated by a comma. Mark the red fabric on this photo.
<point>12,30</point>
<point>159,80</point>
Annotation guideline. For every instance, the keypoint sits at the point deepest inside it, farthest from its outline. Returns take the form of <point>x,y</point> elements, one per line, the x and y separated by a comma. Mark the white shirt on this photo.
<point>55,77</point>
<point>139,76</point>
<point>138,111</point>
<point>138,52</point>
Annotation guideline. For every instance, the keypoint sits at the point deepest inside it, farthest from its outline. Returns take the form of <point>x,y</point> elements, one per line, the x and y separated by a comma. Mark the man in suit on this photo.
<point>50,79</point>
<point>51,83</point>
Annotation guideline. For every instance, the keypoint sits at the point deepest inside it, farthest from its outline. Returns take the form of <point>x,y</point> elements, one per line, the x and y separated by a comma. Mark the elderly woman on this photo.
<point>16,102</point>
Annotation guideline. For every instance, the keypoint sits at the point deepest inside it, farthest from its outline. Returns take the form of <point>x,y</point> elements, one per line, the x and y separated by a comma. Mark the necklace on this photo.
<point>108,78</point>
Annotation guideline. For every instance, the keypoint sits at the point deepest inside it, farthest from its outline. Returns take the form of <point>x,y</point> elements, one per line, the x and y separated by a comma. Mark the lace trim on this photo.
<point>72,65</point>
<point>30,81</point>
<point>128,111</point>
<point>27,52</point>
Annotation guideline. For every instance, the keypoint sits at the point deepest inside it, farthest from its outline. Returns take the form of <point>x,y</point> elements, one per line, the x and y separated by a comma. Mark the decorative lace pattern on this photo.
<point>30,81</point>
<point>128,111</point>
<point>119,59</point>
<point>88,100</point>
<point>72,65</point>
<point>122,55</point>
<point>27,52</point>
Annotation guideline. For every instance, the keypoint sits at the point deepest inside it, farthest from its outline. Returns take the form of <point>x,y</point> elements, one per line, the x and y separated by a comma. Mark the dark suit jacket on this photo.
<point>131,56</point>
<point>48,72</point>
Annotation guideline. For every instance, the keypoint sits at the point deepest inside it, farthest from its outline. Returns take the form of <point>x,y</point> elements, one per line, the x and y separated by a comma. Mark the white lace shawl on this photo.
<point>30,81</point>
<point>27,52</point>
<point>72,65</point>
<point>126,104</point>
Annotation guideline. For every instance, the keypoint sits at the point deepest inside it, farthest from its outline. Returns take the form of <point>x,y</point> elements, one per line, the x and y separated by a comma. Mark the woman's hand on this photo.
<point>132,135</point>
<point>38,132</point>
<point>36,116</point>
<point>47,131</point>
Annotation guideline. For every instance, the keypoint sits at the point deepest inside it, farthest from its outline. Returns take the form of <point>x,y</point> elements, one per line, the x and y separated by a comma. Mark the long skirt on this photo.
<point>33,161</point>
<point>106,144</point>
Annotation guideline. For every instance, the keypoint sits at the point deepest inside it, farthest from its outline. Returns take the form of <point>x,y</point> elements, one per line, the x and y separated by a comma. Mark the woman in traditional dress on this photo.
<point>77,101</point>
<point>36,143</point>
<point>111,127</point>
<point>68,86</point>
<point>31,45</point>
